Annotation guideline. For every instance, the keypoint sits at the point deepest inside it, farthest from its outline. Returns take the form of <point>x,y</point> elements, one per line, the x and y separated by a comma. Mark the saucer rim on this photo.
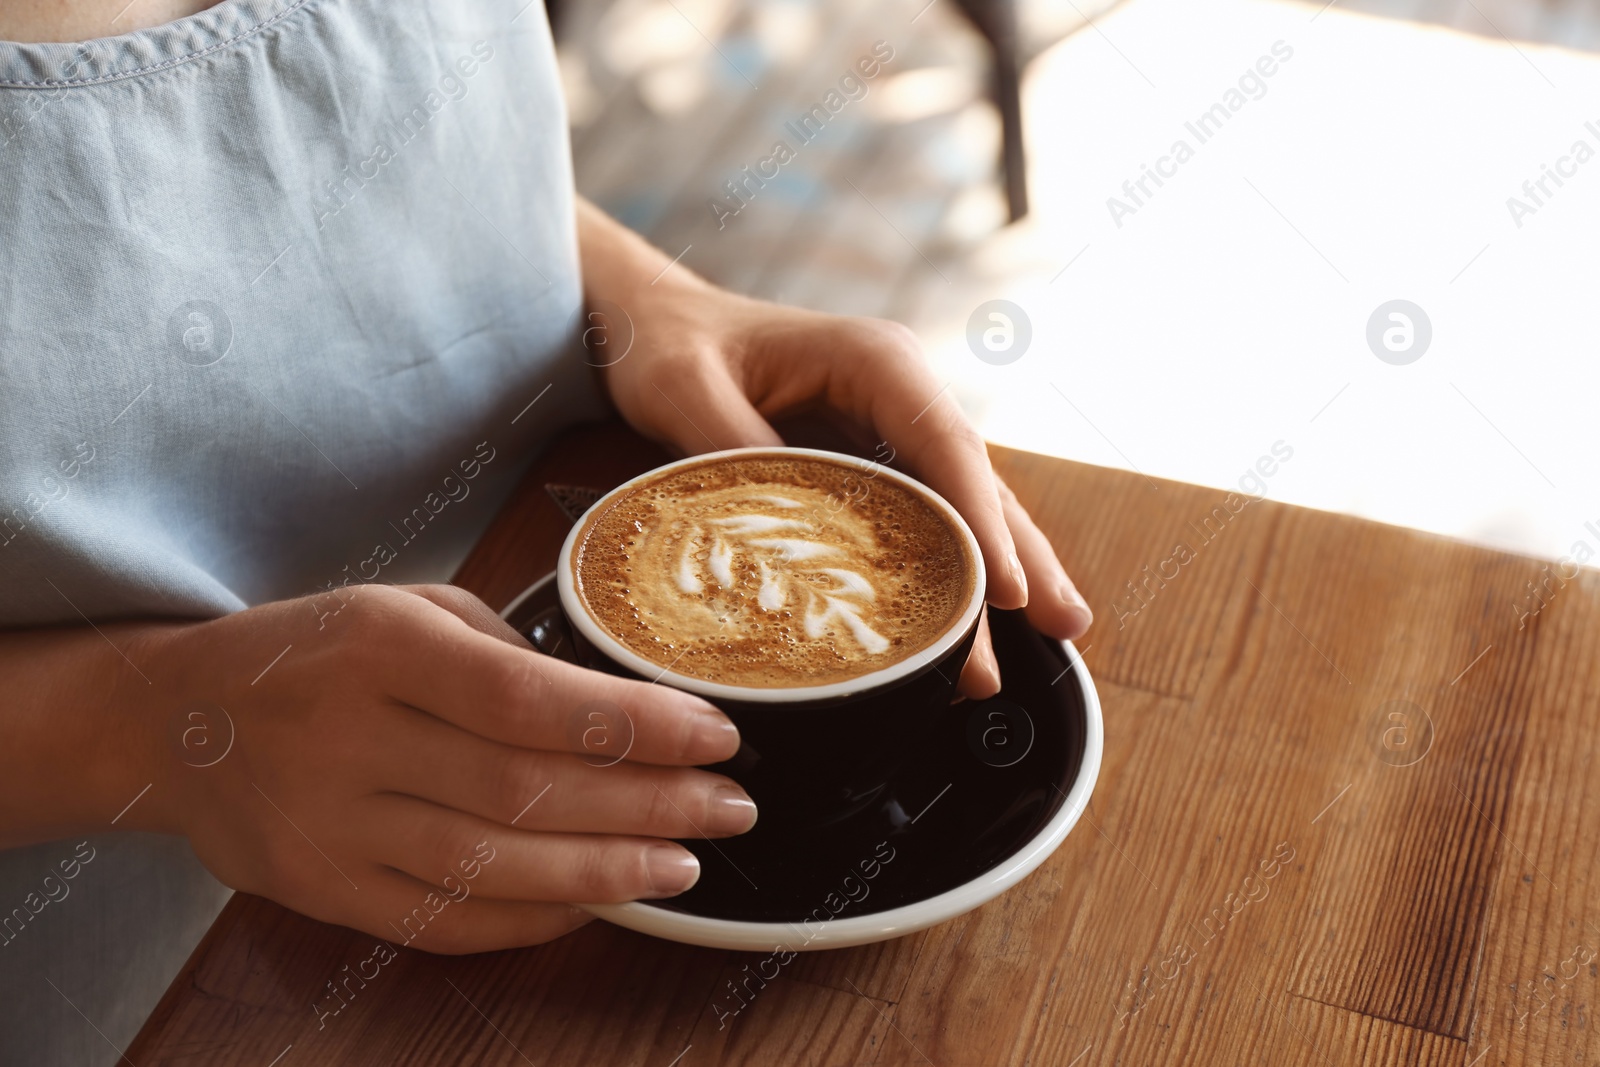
<point>743,935</point>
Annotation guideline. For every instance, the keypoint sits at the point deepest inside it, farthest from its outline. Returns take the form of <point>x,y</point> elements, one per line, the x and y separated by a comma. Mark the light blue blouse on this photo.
<point>288,294</point>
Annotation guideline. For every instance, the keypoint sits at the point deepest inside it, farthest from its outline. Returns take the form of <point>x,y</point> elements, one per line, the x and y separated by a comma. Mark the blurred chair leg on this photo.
<point>1008,98</point>
<point>997,21</point>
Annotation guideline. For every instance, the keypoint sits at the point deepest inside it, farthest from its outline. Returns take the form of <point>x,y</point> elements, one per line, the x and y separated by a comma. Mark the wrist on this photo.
<point>142,757</point>
<point>624,268</point>
<point>82,736</point>
<point>118,750</point>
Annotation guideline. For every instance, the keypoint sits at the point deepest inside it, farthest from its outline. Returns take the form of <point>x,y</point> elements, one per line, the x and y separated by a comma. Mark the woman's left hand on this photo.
<point>708,368</point>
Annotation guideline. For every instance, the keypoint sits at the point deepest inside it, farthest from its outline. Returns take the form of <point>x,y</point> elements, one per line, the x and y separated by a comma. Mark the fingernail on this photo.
<point>730,811</point>
<point>985,680</point>
<point>992,666</point>
<point>1014,565</point>
<point>714,739</point>
<point>671,870</point>
<point>1078,606</point>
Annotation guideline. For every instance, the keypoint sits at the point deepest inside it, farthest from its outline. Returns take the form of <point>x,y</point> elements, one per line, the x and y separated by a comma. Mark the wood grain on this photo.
<point>1422,907</point>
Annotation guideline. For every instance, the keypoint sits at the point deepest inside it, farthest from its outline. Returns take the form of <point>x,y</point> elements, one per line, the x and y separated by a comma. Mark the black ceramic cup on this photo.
<point>810,754</point>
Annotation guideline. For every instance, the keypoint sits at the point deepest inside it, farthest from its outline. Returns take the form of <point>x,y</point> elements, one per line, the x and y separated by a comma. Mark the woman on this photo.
<point>286,280</point>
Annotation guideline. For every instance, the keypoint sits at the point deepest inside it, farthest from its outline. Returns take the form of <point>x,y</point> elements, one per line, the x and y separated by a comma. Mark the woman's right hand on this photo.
<point>411,767</point>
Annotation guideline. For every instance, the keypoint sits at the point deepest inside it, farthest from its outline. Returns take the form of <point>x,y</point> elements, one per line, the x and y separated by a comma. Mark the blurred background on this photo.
<point>1175,311</point>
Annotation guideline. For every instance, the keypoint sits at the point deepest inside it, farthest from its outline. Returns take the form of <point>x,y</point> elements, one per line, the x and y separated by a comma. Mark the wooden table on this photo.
<point>1346,815</point>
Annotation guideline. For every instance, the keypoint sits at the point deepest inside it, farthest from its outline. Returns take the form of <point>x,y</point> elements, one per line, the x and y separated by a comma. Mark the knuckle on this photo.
<point>518,779</point>
<point>359,619</point>
<point>682,735</point>
<point>452,598</point>
<point>438,592</point>
<point>962,435</point>
<point>510,688</point>
<point>894,337</point>
<point>373,609</point>
<point>606,875</point>
<point>664,814</point>
<point>674,369</point>
<point>694,377</point>
<point>448,843</point>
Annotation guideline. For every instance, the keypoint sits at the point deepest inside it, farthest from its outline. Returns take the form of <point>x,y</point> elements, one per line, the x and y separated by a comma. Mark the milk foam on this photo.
<point>773,571</point>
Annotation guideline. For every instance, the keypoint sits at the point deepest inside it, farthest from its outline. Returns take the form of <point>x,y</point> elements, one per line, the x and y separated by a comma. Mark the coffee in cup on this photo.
<point>773,570</point>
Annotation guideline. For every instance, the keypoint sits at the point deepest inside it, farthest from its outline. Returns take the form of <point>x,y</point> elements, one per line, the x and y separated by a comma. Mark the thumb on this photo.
<point>708,412</point>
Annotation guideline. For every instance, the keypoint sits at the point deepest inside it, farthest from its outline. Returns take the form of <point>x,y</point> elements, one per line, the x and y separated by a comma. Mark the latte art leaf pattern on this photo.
<point>787,571</point>
<point>773,571</point>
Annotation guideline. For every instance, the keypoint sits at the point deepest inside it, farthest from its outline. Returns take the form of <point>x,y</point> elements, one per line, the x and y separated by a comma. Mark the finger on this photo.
<point>1055,606</point>
<point>430,842</point>
<point>980,678</point>
<point>407,912</point>
<point>470,610</point>
<point>439,664</point>
<point>534,790</point>
<point>924,424</point>
<point>701,408</point>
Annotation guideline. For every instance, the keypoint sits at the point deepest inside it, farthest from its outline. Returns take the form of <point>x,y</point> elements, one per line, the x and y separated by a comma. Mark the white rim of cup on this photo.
<point>926,658</point>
